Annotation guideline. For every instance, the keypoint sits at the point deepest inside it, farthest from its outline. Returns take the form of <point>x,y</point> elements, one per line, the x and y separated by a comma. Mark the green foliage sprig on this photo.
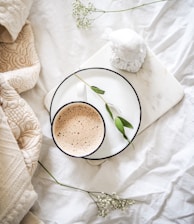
<point>105,202</point>
<point>120,122</point>
<point>82,13</point>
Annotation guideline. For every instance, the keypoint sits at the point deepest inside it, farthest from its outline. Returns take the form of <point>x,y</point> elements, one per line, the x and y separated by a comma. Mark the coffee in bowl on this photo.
<point>78,129</point>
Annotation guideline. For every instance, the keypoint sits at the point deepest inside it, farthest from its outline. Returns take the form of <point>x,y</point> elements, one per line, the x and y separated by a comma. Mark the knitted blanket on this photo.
<point>20,134</point>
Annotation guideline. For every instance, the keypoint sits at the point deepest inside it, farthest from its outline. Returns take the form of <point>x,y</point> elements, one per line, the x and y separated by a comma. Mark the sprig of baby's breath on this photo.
<point>83,12</point>
<point>120,122</point>
<point>109,202</point>
<point>105,202</point>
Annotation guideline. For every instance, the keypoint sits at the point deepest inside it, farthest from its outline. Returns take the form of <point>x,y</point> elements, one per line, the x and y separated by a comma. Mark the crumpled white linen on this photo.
<point>20,133</point>
<point>158,174</point>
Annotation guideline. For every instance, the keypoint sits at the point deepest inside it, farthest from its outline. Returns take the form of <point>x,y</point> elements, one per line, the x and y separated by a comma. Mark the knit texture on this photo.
<point>20,133</point>
<point>13,15</point>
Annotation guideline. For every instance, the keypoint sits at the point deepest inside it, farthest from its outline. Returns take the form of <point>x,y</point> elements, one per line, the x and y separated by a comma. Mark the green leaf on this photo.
<point>124,135</point>
<point>109,110</point>
<point>125,123</point>
<point>97,90</point>
<point>119,125</point>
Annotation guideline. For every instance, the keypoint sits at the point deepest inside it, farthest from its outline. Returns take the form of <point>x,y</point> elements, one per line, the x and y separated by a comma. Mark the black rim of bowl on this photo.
<point>110,70</point>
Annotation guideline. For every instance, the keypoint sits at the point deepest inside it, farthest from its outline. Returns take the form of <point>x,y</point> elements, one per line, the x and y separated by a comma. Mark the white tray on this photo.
<point>157,89</point>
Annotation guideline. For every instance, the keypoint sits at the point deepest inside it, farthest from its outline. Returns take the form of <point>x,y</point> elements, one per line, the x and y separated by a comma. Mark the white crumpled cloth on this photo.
<point>159,173</point>
<point>20,133</point>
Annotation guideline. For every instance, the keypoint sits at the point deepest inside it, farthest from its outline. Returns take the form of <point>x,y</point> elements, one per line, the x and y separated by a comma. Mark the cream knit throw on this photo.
<point>13,15</point>
<point>20,135</point>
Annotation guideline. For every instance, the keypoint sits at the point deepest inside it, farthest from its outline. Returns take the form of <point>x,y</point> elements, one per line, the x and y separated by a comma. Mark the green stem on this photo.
<point>64,185</point>
<point>92,194</point>
<point>82,80</point>
<point>57,182</point>
<point>106,105</point>
<point>124,10</point>
<point>90,87</point>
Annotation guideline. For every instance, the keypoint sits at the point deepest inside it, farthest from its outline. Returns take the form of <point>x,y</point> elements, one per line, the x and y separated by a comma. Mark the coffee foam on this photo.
<point>78,129</point>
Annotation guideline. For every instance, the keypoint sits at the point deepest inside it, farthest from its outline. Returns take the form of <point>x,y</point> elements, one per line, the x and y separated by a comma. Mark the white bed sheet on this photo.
<point>159,173</point>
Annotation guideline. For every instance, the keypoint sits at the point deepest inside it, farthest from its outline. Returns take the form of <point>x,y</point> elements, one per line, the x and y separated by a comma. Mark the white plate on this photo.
<point>118,92</point>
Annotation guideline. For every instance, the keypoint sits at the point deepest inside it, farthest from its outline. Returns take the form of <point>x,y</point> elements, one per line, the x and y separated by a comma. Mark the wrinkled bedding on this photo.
<point>159,172</point>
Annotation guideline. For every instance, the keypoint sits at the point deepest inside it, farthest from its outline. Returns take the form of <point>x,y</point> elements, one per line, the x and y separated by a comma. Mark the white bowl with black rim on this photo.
<point>119,94</point>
